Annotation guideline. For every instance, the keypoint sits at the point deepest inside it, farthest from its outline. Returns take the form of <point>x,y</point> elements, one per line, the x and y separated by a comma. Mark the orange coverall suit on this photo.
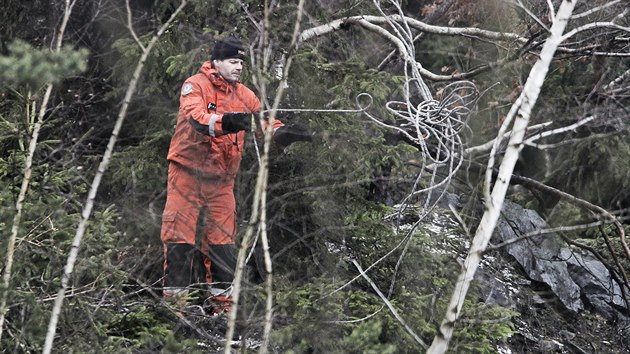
<point>202,166</point>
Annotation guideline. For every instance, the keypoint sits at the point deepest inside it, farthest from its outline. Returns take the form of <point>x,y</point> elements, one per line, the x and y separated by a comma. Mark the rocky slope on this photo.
<point>567,300</point>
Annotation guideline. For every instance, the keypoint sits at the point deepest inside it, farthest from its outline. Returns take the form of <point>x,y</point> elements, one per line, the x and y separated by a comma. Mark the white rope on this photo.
<point>431,125</point>
<point>434,126</point>
<point>361,108</point>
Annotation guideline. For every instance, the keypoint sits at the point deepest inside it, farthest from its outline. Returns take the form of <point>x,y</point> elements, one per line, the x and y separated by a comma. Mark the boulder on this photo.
<point>574,277</point>
<point>539,256</point>
<point>598,287</point>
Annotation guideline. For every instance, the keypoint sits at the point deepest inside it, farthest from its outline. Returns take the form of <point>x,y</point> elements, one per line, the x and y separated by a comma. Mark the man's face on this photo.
<point>230,69</point>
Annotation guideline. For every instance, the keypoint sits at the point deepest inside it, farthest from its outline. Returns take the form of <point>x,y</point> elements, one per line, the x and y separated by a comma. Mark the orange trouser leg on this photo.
<point>179,221</point>
<point>218,241</point>
<point>187,196</point>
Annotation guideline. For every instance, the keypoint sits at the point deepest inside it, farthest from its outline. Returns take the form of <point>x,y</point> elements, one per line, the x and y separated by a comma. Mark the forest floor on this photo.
<point>545,326</point>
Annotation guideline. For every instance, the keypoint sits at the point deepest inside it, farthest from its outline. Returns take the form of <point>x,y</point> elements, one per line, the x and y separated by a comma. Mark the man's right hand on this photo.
<point>232,122</point>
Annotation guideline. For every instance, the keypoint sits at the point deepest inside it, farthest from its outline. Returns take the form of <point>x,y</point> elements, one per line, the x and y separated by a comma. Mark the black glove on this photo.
<point>290,133</point>
<point>233,122</point>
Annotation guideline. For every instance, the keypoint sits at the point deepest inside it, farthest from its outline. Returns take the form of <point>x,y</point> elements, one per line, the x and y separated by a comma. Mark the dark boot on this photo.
<point>178,275</point>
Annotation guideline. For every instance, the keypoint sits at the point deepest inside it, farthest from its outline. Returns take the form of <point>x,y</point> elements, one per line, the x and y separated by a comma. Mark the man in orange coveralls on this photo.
<point>204,157</point>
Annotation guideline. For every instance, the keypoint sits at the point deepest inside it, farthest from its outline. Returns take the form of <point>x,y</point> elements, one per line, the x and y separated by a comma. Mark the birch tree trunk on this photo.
<point>521,110</point>
<point>260,194</point>
<point>87,208</point>
<point>6,276</point>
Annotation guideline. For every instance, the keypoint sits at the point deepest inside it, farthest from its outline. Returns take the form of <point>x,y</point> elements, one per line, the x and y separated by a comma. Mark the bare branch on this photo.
<point>529,13</point>
<point>621,78</point>
<point>554,230</point>
<point>389,305</point>
<point>373,23</point>
<point>260,193</point>
<point>584,204</point>
<point>251,18</point>
<point>130,27</point>
<point>613,272</point>
<point>488,145</point>
<point>28,164</point>
<point>523,106</point>
<point>462,31</point>
<point>530,141</point>
<point>595,9</point>
<point>588,50</point>
<point>87,209</point>
<point>363,319</point>
<point>594,25</point>
<point>439,12</point>
<point>574,141</point>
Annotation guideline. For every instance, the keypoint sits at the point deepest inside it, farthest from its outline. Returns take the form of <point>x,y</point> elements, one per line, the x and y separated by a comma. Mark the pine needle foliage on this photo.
<point>323,208</point>
<point>33,68</point>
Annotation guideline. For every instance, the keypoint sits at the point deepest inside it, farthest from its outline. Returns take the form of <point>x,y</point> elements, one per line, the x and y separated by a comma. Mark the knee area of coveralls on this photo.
<point>177,227</point>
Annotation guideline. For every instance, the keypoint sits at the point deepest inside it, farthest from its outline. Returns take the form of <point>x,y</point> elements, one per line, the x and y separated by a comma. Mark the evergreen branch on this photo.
<point>6,276</point>
<point>87,209</point>
<point>390,306</point>
<point>260,195</point>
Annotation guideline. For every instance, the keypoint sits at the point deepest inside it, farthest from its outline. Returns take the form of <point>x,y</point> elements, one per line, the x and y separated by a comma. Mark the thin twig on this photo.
<point>613,274</point>
<point>130,27</point>
<point>521,111</point>
<point>259,202</point>
<point>6,276</point>
<point>531,183</point>
<point>595,9</point>
<point>390,306</point>
<point>529,13</point>
<point>551,230</point>
<point>87,209</point>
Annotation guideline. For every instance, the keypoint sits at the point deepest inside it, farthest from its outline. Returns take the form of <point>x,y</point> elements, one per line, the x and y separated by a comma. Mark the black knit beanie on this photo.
<point>228,48</point>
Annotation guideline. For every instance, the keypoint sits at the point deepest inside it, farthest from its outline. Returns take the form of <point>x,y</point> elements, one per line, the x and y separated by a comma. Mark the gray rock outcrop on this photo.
<point>573,277</point>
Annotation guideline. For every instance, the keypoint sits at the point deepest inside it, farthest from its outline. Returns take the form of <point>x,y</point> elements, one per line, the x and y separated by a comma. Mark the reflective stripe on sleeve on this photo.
<point>213,120</point>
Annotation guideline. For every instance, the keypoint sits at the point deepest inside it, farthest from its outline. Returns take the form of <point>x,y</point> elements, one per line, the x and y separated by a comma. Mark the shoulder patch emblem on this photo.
<point>187,88</point>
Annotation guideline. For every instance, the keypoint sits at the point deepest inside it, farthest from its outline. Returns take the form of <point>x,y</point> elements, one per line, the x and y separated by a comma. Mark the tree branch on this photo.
<point>528,182</point>
<point>87,208</point>
<point>130,27</point>
<point>28,164</point>
<point>390,306</point>
<point>595,9</point>
<point>530,141</point>
<point>523,107</point>
<point>593,25</point>
<point>520,5</point>
<point>260,193</point>
<point>462,31</point>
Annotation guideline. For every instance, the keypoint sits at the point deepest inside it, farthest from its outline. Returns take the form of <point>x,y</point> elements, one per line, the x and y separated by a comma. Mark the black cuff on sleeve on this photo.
<point>202,128</point>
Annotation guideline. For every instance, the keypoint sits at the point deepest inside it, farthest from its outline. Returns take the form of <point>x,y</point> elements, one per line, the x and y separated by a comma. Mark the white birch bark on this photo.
<point>260,194</point>
<point>493,206</point>
<point>6,276</point>
<point>89,203</point>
